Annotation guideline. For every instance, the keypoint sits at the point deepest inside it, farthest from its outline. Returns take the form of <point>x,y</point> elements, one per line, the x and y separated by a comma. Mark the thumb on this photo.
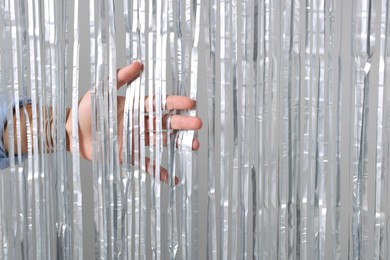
<point>129,73</point>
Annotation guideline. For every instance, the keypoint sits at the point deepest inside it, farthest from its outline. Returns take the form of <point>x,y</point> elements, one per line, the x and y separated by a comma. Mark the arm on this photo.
<point>125,75</point>
<point>23,131</point>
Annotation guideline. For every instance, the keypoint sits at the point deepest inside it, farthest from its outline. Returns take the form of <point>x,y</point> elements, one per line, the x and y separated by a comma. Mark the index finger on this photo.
<point>129,73</point>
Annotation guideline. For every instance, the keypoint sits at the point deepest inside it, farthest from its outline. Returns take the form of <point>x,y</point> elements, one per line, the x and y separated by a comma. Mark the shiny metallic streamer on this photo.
<point>258,63</point>
<point>172,238</point>
<point>255,155</point>
<point>233,199</point>
<point>181,89</point>
<point>382,160</point>
<point>225,84</point>
<point>363,42</point>
<point>10,80</point>
<point>77,252</point>
<point>159,84</point>
<point>14,85</point>
<point>142,112</point>
<point>272,125</point>
<point>332,122</point>
<point>309,140</point>
<point>115,179</point>
<point>127,178</point>
<point>194,11</point>
<point>37,100</point>
<point>139,234</point>
<point>99,123</point>
<point>210,45</point>
<point>301,135</point>
<point>319,58</point>
<point>151,73</point>
<point>285,150</point>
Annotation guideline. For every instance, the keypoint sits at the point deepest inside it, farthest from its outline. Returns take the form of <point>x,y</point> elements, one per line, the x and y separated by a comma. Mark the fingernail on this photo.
<point>140,62</point>
<point>193,103</point>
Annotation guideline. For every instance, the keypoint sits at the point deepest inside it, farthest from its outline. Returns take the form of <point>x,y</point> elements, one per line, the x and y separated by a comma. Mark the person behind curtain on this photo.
<point>125,75</point>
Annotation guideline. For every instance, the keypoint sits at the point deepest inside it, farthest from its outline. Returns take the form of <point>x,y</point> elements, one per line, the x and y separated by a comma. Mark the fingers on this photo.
<point>183,122</point>
<point>129,73</point>
<point>177,122</point>
<point>164,177</point>
<point>173,102</point>
<point>195,142</point>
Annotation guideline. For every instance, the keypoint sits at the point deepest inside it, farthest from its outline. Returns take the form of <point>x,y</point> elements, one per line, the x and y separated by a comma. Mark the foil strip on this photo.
<point>151,73</point>
<point>307,191</point>
<point>245,165</point>
<point>36,96</point>
<point>128,141</point>
<point>172,243</point>
<point>288,101</point>
<point>273,124</point>
<point>181,90</point>
<point>159,90</point>
<point>98,118</point>
<point>196,15</point>
<point>381,180</point>
<point>236,170</point>
<point>284,134</point>
<point>363,47</point>
<point>334,83</point>
<point>54,108</point>
<point>318,60</point>
<point>126,182</point>
<point>142,112</point>
<point>11,87</point>
<point>226,83</point>
<point>256,209</point>
<point>115,197</point>
<point>139,175</point>
<point>210,43</point>
<point>77,252</point>
<point>258,173</point>
<point>133,185</point>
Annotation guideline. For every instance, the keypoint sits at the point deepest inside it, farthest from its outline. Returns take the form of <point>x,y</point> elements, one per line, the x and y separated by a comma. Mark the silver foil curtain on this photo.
<point>295,145</point>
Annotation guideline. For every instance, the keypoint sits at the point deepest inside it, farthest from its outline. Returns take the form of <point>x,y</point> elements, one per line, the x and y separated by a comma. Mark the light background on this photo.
<point>86,167</point>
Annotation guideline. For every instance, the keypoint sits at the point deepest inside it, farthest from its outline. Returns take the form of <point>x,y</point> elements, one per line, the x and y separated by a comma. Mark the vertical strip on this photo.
<point>320,202</point>
<point>160,84</point>
<point>77,251</point>
<point>381,239</point>
<point>236,169</point>
<point>226,84</point>
<point>210,64</point>
<point>98,120</point>
<point>246,166</point>
<point>14,133</point>
<point>333,50</point>
<point>309,95</point>
<point>115,197</point>
<point>363,46</point>
<point>172,240</point>
<point>142,129</point>
<point>127,177</point>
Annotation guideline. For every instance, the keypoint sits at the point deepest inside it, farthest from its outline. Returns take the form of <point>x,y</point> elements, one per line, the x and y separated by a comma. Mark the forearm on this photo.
<point>25,119</point>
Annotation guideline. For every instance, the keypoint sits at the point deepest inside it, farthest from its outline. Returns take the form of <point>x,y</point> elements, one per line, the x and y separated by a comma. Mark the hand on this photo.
<point>125,75</point>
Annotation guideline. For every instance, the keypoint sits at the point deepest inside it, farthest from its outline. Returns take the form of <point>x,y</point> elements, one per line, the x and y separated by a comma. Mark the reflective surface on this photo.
<point>294,158</point>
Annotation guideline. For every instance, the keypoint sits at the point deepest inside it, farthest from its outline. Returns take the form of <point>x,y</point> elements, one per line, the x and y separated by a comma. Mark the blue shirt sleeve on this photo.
<point>4,158</point>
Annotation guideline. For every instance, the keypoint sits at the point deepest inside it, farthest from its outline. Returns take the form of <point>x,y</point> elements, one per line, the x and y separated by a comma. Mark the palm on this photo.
<point>126,75</point>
